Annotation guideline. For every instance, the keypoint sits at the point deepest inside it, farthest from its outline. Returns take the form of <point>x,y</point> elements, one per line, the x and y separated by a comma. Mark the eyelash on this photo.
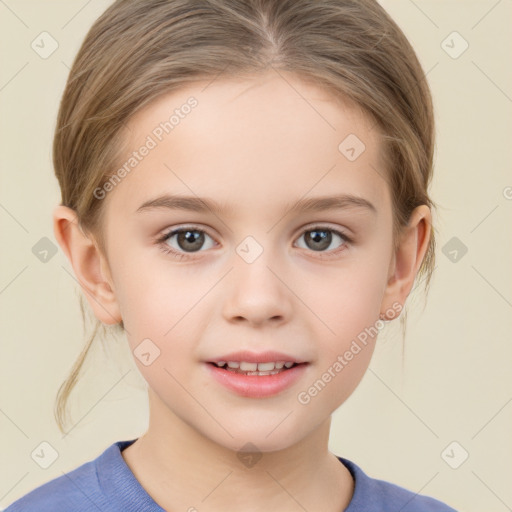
<point>161,242</point>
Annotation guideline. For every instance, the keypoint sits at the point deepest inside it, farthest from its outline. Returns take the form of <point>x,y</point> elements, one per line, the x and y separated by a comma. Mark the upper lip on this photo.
<point>255,357</point>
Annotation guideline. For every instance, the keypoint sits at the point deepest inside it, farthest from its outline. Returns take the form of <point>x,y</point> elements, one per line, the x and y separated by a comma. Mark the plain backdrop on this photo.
<point>439,425</point>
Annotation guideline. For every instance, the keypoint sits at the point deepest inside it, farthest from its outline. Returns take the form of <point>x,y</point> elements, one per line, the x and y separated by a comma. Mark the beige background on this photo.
<point>456,383</point>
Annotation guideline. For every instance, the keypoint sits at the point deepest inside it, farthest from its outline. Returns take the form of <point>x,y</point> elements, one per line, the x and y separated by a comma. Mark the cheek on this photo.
<point>165,311</point>
<point>155,294</point>
<point>348,305</point>
<point>348,299</point>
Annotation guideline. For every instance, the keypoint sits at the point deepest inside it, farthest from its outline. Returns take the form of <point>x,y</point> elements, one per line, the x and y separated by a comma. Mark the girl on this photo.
<point>290,144</point>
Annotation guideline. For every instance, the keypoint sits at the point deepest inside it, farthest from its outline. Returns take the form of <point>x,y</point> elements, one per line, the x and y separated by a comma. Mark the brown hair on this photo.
<point>138,50</point>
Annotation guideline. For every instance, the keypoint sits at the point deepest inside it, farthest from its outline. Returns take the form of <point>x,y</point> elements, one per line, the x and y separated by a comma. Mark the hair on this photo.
<point>138,50</point>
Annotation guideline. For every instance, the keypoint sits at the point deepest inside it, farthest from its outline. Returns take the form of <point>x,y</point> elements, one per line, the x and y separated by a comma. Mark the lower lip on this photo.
<point>257,386</point>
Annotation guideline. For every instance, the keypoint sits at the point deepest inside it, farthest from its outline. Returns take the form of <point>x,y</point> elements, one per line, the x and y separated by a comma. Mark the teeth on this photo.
<point>255,368</point>
<point>248,367</point>
<point>266,367</point>
<point>264,373</point>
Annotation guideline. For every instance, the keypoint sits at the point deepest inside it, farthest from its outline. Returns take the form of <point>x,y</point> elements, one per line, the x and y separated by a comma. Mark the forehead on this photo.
<point>250,142</point>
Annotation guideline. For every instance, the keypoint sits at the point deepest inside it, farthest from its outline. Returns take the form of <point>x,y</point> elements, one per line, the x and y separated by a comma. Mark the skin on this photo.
<point>256,145</point>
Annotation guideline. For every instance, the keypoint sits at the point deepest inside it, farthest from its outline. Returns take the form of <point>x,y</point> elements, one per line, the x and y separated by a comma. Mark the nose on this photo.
<point>257,292</point>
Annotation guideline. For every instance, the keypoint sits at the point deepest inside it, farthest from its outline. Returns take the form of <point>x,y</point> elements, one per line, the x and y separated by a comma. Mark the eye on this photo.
<point>320,238</point>
<point>185,241</point>
<point>182,241</point>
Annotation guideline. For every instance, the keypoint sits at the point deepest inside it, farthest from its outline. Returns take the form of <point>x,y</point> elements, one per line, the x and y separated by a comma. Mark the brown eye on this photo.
<point>190,240</point>
<point>319,239</point>
<point>186,240</point>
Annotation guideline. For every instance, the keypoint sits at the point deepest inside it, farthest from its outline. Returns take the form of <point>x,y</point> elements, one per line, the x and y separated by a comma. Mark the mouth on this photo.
<point>257,379</point>
<point>256,368</point>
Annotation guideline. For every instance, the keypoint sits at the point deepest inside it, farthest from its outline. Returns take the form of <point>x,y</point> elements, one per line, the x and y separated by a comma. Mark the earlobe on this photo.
<point>408,257</point>
<point>89,265</point>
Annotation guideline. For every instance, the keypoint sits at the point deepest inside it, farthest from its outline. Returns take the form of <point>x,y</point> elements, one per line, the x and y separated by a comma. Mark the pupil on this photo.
<point>195,239</point>
<point>321,237</point>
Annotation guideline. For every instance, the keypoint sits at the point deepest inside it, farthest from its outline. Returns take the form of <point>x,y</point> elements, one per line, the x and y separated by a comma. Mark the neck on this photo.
<point>183,470</point>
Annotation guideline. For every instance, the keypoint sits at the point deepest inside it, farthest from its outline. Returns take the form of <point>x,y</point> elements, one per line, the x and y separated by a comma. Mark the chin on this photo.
<point>259,438</point>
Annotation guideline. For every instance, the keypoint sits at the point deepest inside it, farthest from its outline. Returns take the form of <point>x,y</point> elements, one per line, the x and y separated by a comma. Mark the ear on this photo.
<point>89,264</point>
<point>407,259</point>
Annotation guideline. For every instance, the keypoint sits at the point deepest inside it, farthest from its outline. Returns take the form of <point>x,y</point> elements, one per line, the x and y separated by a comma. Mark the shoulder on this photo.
<point>79,490</point>
<point>373,495</point>
<point>67,492</point>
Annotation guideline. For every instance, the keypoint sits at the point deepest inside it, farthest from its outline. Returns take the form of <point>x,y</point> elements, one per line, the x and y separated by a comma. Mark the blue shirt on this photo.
<point>106,484</point>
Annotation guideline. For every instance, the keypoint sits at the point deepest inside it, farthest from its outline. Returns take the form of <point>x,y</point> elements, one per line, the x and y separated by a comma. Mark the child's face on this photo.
<point>257,281</point>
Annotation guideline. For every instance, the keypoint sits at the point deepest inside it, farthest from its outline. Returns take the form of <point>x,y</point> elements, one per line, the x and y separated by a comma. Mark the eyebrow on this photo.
<point>203,205</point>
